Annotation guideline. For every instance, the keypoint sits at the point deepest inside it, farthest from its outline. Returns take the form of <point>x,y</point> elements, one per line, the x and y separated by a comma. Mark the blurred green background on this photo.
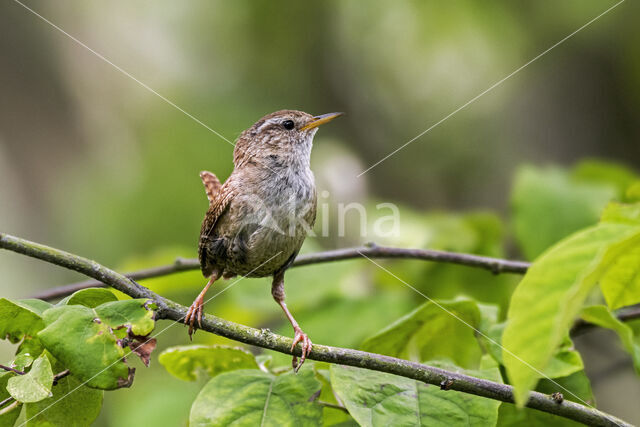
<point>92,162</point>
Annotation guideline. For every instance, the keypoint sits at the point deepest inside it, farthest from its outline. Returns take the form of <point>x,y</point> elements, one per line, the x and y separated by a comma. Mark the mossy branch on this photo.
<point>168,309</point>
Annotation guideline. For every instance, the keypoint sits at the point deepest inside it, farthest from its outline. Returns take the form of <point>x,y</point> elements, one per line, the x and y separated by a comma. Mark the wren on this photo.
<point>258,219</point>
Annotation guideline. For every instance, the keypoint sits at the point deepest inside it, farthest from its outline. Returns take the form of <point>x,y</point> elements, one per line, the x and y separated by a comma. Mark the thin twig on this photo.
<point>168,309</point>
<point>10,369</point>
<point>495,265</point>
<point>60,375</point>
<point>631,312</point>
<point>5,401</point>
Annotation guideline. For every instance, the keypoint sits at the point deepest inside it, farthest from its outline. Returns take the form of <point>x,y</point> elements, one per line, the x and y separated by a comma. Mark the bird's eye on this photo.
<point>288,124</point>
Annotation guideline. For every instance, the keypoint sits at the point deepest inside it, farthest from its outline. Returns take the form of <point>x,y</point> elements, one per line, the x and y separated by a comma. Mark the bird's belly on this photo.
<point>263,238</point>
<point>266,252</point>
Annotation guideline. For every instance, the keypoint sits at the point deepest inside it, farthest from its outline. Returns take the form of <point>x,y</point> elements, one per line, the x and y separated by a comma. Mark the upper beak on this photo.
<point>320,120</point>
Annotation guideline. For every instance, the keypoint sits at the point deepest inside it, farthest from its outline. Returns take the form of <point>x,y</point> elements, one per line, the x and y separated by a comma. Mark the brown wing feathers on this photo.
<point>219,196</point>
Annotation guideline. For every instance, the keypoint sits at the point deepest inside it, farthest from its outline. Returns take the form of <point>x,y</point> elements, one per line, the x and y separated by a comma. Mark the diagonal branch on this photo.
<point>168,309</point>
<point>495,265</point>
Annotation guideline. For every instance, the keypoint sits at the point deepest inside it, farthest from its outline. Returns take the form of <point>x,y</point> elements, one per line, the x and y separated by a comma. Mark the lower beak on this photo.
<point>320,120</point>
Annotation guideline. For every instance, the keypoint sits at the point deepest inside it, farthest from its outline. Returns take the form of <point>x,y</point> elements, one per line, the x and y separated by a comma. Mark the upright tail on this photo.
<point>211,185</point>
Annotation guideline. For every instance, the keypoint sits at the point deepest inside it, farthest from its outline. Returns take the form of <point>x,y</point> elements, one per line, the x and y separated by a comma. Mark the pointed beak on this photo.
<point>320,120</point>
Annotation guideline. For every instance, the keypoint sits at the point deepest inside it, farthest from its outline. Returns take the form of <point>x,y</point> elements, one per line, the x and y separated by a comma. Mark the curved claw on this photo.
<point>300,337</point>
<point>194,312</point>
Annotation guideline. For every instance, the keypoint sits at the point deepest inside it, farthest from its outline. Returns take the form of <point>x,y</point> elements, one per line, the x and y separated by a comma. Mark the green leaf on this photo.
<point>435,330</point>
<point>35,385</point>
<point>77,337</point>
<point>376,398</point>
<point>253,397</point>
<point>600,172</point>
<point>551,295</point>
<point>8,419</point>
<point>633,192</point>
<point>91,297</point>
<point>548,206</point>
<point>72,404</point>
<point>135,315</point>
<point>22,361</point>
<point>29,348</point>
<point>620,283</point>
<point>622,213</point>
<point>565,361</point>
<point>18,319</point>
<point>35,305</point>
<point>88,340</point>
<point>603,317</point>
<point>577,383</point>
<point>330,416</point>
<point>187,361</point>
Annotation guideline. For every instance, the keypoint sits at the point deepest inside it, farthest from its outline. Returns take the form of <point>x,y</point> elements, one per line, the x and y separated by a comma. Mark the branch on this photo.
<point>495,265</point>
<point>10,369</point>
<point>264,338</point>
<point>60,375</point>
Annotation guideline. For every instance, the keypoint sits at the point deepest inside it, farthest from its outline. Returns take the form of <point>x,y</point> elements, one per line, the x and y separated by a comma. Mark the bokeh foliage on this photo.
<point>93,163</point>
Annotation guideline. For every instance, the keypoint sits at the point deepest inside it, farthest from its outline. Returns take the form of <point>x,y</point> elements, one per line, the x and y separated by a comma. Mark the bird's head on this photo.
<point>286,134</point>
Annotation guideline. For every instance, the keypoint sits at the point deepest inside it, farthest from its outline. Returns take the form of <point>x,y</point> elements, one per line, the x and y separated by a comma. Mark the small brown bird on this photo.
<point>258,219</point>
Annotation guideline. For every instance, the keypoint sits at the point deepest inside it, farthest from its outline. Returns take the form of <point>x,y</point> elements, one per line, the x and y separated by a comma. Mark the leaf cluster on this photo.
<point>69,353</point>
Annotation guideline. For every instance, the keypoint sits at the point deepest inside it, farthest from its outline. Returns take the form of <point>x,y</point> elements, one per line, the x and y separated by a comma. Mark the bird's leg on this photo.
<point>277,290</point>
<point>195,311</point>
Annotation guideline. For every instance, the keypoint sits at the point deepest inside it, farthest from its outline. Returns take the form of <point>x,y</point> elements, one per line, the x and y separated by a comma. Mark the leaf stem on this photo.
<point>168,309</point>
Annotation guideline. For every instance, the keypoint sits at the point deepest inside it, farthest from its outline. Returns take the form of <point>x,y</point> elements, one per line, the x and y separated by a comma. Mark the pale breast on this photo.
<point>266,225</point>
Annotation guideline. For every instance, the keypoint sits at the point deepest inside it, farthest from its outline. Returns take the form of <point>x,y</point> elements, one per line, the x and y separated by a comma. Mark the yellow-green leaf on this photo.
<point>435,330</point>
<point>550,296</point>
<point>625,213</point>
<point>603,317</point>
<point>620,283</point>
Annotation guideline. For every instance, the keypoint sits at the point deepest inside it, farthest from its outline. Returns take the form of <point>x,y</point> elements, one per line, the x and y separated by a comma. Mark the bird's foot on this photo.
<point>300,337</point>
<point>194,313</point>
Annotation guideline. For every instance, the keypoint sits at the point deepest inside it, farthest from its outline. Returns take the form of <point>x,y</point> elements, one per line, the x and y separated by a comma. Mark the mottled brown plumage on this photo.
<point>258,219</point>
